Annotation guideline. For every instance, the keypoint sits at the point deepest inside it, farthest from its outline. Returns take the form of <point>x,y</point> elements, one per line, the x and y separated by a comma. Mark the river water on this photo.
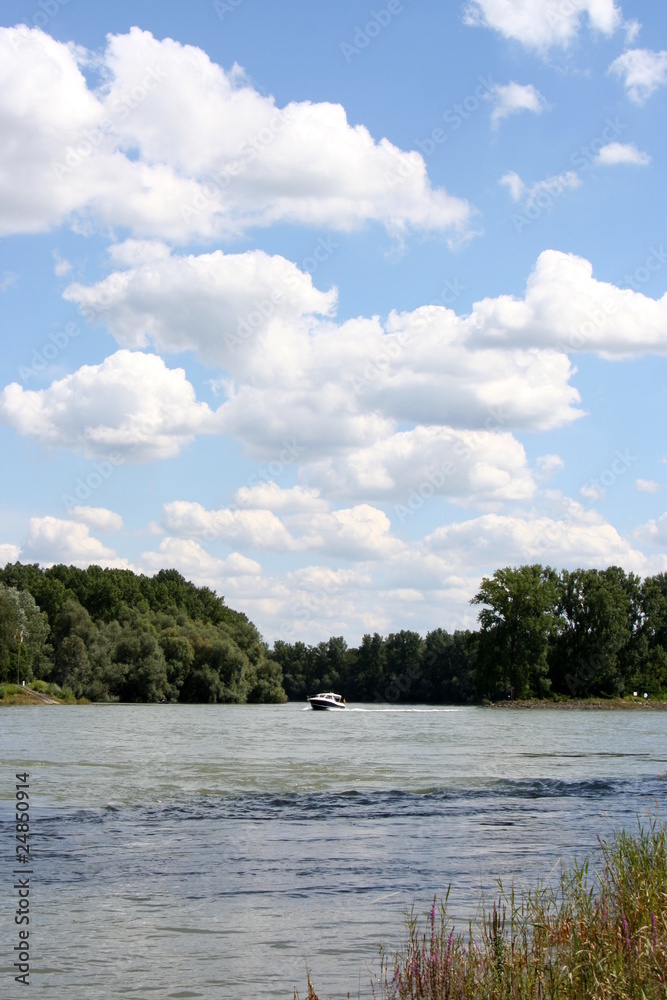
<point>219,851</point>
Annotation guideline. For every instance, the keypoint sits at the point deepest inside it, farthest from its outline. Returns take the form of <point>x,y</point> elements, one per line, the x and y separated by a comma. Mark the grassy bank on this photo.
<point>602,935</point>
<point>591,704</point>
<point>38,693</point>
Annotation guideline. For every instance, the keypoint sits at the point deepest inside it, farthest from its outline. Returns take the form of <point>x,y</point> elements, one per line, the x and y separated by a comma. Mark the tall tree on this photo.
<point>516,626</point>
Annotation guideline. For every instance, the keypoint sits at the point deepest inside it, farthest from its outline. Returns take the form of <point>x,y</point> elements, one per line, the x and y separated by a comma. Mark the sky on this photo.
<point>335,308</point>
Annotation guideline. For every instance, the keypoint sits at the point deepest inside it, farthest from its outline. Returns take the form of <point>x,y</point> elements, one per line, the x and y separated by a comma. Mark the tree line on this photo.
<point>113,635</point>
<point>541,634</point>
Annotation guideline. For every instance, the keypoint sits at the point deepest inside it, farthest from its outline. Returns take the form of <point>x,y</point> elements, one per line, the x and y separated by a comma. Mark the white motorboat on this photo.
<point>328,702</point>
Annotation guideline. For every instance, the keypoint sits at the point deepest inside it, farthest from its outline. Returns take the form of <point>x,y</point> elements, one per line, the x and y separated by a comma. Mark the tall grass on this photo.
<point>601,935</point>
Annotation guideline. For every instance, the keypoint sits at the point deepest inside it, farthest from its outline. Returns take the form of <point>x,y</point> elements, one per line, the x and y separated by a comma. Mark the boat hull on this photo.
<point>327,703</point>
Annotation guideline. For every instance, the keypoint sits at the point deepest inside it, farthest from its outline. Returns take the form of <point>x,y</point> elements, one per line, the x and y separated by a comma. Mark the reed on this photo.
<point>600,935</point>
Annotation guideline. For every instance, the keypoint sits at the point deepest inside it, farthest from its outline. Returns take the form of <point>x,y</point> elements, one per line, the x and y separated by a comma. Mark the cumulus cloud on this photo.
<point>412,466</point>
<point>361,532</point>
<point>100,518</point>
<point>291,371</point>
<point>249,529</point>
<point>511,98</point>
<point>9,553</point>
<point>53,540</point>
<point>642,72</point>
<point>218,305</point>
<point>130,406</point>
<point>583,538</point>
<point>621,153</point>
<point>656,530</point>
<point>269,496</point>
<point>565,306</point>
<point>198,565</point>
<point>168,144</point>
<point>542,24</point>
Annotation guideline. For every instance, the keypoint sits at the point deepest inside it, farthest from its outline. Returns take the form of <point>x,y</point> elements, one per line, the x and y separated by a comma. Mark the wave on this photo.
<point>497,795</point>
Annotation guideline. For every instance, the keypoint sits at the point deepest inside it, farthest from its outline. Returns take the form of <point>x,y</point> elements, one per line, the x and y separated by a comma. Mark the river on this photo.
<point>218,851</point>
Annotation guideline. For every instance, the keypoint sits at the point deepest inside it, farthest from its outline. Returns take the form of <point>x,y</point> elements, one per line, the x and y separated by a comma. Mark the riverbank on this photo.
<point>38,694</point>
<point>587,704</point>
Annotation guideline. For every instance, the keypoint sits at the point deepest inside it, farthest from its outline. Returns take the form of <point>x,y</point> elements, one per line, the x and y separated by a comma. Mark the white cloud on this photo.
<point>131,406</point>
<point>566,307</point>
<point>583,538</point>
<point>361,532</point>
<point>542,24</point>
<point>548,466</point>
<point>642,72</point>
<point>9,553</point>
<point>61,266</point>
<point>248,529</point>
<point>100,518</point>
<point>411,466</point>
<point>624,153</point>
<point>648,486</point>
<point>541,193</point>
<point>358,533</point>
<point>654,534</point>
<point>53,540</point>
<point>270,496</point>
<point>216,304</point>
<point>511,98</point>
<point>514,184</point>
<point>171,145</point>
<point>197,565</point>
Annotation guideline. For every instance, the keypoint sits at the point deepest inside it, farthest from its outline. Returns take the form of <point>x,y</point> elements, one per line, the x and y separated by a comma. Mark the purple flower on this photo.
<point>625,930</point>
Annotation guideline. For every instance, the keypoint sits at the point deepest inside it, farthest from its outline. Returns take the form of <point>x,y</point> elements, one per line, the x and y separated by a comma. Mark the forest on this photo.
<point>113,635</point>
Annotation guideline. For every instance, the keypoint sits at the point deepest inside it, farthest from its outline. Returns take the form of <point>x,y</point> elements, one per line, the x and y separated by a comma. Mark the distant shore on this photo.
<point>590,704</point>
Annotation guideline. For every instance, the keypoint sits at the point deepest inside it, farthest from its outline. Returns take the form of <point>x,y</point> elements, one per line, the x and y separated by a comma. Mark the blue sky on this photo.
<point>336,308</point>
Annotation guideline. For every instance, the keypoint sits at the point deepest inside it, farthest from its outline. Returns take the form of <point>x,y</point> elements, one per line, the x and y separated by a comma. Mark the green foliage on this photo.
<point>516,628</point>
<point>116,636</point>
